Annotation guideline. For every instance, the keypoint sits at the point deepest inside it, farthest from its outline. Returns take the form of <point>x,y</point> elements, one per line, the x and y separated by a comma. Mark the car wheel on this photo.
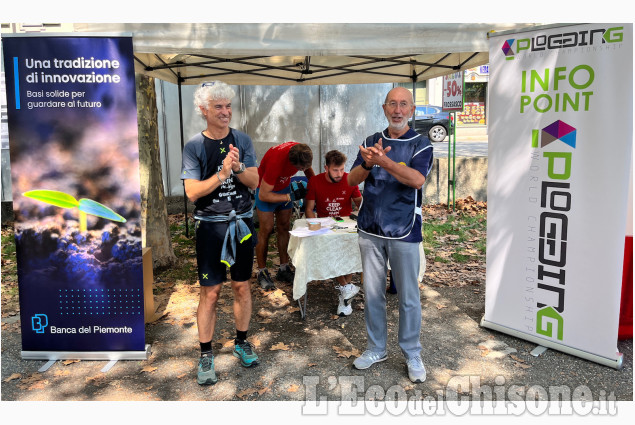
<point>437,133</point>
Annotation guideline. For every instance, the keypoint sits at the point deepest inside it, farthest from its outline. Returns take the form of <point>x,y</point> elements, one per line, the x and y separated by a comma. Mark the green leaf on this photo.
<point>95,208</point>
<point>53,197</point>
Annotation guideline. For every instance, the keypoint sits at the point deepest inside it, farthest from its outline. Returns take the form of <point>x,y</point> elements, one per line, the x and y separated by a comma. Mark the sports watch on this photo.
<point>241,170</point>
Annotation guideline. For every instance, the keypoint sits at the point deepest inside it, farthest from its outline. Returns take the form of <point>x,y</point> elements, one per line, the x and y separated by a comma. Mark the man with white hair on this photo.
<point>393,164</point>
<point>219,167</point>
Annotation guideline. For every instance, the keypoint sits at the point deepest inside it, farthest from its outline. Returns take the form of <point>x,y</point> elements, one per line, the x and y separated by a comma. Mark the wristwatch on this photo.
<point>365,167</point>
<point>241,170</point>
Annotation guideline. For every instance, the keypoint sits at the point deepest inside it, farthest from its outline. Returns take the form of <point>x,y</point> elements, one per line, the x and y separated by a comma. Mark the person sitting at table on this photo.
<point>330,194</point>
<point>275,198</point>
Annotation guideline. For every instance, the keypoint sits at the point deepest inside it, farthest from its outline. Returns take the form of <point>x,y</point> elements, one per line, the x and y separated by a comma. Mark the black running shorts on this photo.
<point>209,245</point>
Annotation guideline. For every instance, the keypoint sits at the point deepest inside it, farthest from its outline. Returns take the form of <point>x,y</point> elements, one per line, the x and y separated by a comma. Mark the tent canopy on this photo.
<point>290,54</point>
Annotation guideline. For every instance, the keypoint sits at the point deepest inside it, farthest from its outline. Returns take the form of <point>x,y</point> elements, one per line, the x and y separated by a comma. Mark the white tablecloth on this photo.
<point>327,256</point>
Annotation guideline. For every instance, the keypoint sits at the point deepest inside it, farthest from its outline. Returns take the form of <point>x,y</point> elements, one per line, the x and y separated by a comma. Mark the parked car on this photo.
<point>432,121</point>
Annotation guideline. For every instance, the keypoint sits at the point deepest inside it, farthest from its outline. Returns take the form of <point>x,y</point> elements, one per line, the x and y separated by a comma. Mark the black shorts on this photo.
<point>209,245</point>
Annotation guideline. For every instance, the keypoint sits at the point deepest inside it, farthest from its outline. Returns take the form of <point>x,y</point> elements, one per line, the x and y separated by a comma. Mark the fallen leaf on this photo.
<point>342,352</point>
<point>64,372</point>
<point>264,313</point>
<point>39,385</point>
<point>279,346</point>
<point>440,306</point>
<point>181,376</point>
<point>522,365</point>
<point>12,377</point>
<point>278,299</point>
<point>67,362</point>
<point>226,342</point>
<point>149,369</point>
<point>33,381</point>
<point>518,359</point>
<point>96,380</point>
<point>293,388</point>
<point>246,392</point>
<point>278,293</point>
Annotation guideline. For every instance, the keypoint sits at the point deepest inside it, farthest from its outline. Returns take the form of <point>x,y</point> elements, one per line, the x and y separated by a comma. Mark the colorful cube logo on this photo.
<point>507,48</point>
<point>558,130</point>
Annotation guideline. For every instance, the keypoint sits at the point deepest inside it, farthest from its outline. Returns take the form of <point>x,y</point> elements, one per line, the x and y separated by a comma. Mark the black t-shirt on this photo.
<point>207,155</point>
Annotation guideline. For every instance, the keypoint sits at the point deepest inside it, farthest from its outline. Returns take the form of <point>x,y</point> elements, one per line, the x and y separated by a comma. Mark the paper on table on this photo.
<point>348,225</point>
<point>303,232</point>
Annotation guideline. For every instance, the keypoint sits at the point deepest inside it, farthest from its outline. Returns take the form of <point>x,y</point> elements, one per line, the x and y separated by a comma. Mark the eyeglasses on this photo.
<point>402,105</point>
<point>208,84</point>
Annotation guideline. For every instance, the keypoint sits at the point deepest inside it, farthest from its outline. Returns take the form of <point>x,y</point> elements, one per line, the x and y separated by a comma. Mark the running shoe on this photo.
<point>206,374</point>
<point>416,370</point>
<point>348,291</point>
<point>265,281</point>
<point>369,358</point>
<point>286,275</point>
<point>245,352</point>
<point>344,308</point>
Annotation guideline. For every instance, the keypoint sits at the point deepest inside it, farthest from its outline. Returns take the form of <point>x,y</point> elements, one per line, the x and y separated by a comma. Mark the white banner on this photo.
<point>560,142</point>
<point>453,86</point>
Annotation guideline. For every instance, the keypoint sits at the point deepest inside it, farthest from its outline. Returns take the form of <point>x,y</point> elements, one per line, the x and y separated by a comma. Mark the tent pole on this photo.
<point>414,97</point>
<point>187,230</point>
<point>453,162</point>
<point>414,91</point>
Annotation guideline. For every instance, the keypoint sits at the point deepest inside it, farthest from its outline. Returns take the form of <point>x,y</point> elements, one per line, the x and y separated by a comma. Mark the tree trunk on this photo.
<point>154,213</point>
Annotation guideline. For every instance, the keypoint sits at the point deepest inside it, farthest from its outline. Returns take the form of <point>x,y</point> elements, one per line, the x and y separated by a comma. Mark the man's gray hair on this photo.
<point>209,91</point>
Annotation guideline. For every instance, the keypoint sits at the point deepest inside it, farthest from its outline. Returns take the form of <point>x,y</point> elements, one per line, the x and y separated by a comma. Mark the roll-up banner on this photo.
<point>76,196</point>
<point>560,145</point>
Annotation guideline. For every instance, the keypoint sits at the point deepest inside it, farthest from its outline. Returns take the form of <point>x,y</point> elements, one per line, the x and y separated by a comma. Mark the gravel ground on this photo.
<point>307,360</point>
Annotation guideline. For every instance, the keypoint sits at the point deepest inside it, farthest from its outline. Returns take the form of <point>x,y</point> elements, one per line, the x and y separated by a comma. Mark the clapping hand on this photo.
<point>374,155</point>
<point>234,154</point>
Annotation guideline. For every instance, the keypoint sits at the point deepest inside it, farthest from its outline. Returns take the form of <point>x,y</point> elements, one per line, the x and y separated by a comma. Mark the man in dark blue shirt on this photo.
<point>393,165</point>
<point>219,168</point>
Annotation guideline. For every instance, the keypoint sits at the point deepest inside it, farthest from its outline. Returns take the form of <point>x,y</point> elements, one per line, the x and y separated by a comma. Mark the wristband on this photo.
<point>363,164</point>
<point>219,179</point>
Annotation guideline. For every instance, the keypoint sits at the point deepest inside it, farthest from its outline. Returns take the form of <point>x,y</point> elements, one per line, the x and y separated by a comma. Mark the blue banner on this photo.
<point>76,195</point>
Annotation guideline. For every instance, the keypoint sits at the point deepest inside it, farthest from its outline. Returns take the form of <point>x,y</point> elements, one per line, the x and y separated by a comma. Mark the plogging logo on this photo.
<point>555,204</point>
<point>39,322</point>
<point>512,46</point>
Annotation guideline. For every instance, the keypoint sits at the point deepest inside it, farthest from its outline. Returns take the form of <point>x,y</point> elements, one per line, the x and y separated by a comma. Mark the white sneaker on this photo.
<point>344,308</point>
<point>369,358</point>
<point>416,370</point>
<point>348,291</point>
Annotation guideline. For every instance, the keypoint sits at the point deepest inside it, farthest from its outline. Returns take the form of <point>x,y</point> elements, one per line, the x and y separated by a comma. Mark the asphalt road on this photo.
<point>464,148</point>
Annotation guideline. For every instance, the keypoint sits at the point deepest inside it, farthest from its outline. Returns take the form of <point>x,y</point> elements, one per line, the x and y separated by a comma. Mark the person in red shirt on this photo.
<point>330,194</point>
<point>275,199</point>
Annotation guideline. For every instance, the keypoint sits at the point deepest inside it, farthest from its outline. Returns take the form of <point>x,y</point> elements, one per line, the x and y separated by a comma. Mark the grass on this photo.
<point>9,289</point>
<point>8,244</point>
<point>458,237</point>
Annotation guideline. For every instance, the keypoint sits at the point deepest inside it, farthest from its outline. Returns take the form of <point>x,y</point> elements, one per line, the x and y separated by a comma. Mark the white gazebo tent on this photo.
<point>287,54</point>
<point>304,54</point>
